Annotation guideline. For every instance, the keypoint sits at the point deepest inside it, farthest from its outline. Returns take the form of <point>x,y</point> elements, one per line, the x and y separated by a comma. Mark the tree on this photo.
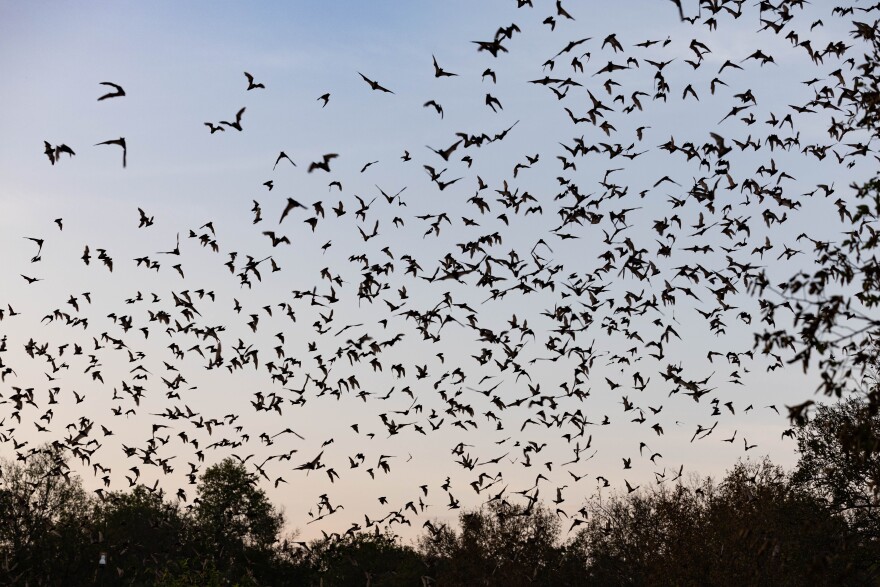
<point>363,558</point>
<point>498,544</point>
<point>45,534</point>
<point>835,301</point>
<point>644,537</point>
<point>237,525</point>
<point>840,460</point>
<point>753,528</point>
<point>144,536</point>
<point>764,529</point>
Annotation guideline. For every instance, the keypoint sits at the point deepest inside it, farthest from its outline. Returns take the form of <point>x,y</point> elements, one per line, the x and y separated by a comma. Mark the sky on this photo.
<point>182,66</point>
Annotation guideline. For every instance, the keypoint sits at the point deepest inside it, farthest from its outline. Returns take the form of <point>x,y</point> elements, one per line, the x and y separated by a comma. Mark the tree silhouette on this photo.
<point>363,558</point>
<point>44,525</point>
<point>833,303</point>
<point>752,528</point>
<point>840,461</point>
<point>499,544</point>
<point>143,535</point>
<point>237,526</point>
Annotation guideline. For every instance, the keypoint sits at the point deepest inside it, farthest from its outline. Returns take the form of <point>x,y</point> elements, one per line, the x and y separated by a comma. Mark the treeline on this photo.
<point>816,525</point>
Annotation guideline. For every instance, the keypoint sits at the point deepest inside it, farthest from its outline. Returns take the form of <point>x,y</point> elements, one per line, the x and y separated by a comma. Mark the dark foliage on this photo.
<point>757,526</point>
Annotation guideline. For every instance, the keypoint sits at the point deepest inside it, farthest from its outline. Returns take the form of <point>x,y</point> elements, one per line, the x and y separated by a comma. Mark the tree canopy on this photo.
<point>757,525</point>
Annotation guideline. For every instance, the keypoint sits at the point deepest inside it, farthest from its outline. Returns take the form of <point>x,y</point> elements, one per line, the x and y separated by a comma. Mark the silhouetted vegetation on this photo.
<point>840,461</point>
<point>835,303</point>
<point>818,524</point>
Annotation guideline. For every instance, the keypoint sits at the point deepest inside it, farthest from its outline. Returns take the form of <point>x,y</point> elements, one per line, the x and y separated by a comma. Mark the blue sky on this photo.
<point>181,65</point>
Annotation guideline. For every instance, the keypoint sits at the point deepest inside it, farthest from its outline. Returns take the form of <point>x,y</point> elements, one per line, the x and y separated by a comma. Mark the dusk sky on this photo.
<point>376,344</point>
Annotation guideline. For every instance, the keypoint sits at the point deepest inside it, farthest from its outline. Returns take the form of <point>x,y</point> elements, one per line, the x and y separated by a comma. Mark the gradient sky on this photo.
<point>181,65</point>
